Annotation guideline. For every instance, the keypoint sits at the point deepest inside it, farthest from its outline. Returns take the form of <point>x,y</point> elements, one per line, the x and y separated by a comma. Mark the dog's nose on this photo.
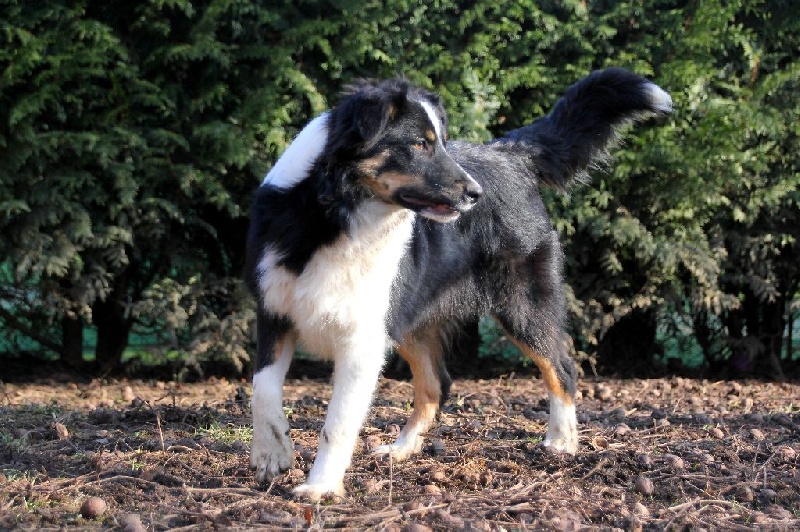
<point>473,190</point>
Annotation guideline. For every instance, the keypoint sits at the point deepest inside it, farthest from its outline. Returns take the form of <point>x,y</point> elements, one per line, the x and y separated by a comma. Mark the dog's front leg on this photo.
<point>272,451</point>
<point>354,380</point>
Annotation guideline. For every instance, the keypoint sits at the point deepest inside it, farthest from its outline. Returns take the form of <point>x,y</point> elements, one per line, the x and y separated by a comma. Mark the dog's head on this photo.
<point>391,139</point>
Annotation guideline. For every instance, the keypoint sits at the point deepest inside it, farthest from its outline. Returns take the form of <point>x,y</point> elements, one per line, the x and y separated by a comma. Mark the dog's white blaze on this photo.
<point>562,427</point>
<point>659,98</point>
<point>295,164</point>
<point>437,125</point>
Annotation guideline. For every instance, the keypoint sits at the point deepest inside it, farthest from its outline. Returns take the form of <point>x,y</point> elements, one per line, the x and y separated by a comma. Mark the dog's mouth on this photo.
<point>435,210</point>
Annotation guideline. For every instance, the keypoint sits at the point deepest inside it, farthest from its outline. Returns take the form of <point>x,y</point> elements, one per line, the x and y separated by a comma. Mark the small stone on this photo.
<point>306,453</point>
<point>372,442</point>
<point>767,494</point>
<point>372,485</point>
<point>131,523</point>
<point>757,434</point>
<point>747,404</point>
<point>745,494</point>
<point>127,394</point>
<point>641,510</point>
<point>61,431</point>
<point>603,392</point>
<point>786,452</point>
<point>662,423</point>
<point>93,507</point>
<point>432,490</point>
<point>452,522</point>
<point>644,485</point>
<point>621,430</point>
<point>438,447</point>
<point>716,432</point>
<point>645,460</point>
<point>439,476</point>
<point>411,506</point>
<point>674,462</point>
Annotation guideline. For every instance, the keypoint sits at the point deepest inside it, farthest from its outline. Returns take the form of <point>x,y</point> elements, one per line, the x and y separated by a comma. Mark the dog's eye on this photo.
<point>423,145</point>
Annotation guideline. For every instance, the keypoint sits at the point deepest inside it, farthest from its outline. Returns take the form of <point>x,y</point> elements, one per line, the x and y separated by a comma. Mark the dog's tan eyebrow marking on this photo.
<point>430,135</point>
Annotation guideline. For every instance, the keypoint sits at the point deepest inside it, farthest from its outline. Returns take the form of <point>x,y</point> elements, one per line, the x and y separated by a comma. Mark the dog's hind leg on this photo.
<point>558,372</point>
<point>423,352</point>
<point>272,451</point>
<point>533,313</point>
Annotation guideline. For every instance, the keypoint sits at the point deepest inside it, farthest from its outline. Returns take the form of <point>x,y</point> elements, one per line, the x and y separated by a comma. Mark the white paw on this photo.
<point>396,451</point>
<point>271,453</point>
<point>317,491</point>
<point>562,426</point>
<point>565,444</point>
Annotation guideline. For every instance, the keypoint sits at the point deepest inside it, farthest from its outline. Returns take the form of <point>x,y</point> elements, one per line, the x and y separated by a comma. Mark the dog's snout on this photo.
<point>473,190</point>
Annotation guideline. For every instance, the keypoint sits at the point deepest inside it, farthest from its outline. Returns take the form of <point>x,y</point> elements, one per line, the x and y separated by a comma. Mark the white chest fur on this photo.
<point>341,298</point>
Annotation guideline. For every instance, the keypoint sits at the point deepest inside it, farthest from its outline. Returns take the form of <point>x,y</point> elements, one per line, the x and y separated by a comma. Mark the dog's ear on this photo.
<point>367,110</point>
<point>372,114</point>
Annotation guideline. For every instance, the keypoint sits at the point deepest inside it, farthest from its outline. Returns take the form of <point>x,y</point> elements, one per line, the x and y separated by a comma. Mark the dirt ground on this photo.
<point>655,454</point>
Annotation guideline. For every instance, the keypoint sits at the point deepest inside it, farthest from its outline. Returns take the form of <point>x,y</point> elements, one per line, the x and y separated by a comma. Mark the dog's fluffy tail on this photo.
<point>583,123</point>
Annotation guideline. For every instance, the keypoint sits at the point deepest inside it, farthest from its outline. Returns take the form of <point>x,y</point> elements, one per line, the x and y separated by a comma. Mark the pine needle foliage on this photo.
<point>133,133</point>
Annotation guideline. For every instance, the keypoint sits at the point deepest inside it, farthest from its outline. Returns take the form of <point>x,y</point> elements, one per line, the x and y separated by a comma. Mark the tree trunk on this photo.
<point>772,325</point>
<point>113,329</point>
<point>72,341</point>
<point>703,334</point>
<point>628,347</point>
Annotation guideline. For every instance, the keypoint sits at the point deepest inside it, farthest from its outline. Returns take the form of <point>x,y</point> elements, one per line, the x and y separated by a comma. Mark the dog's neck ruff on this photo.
<point>296,162</point>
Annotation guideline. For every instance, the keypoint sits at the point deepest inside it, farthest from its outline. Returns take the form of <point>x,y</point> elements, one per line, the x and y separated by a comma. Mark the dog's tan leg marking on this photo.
<point>562,427</point>
<point>423,354</point>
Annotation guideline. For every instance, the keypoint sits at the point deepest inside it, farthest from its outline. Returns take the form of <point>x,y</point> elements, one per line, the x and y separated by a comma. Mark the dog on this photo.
<point>374,231</point>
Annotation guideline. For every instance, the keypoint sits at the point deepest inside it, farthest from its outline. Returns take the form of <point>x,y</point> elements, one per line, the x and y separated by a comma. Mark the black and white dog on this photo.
<point>374,231</point>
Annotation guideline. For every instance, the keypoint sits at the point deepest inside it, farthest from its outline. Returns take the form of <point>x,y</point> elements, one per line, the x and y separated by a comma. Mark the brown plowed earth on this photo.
<point>654,454</point>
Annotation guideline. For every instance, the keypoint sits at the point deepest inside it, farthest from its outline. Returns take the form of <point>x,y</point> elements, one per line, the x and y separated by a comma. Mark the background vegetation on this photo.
<point>133,133</point>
